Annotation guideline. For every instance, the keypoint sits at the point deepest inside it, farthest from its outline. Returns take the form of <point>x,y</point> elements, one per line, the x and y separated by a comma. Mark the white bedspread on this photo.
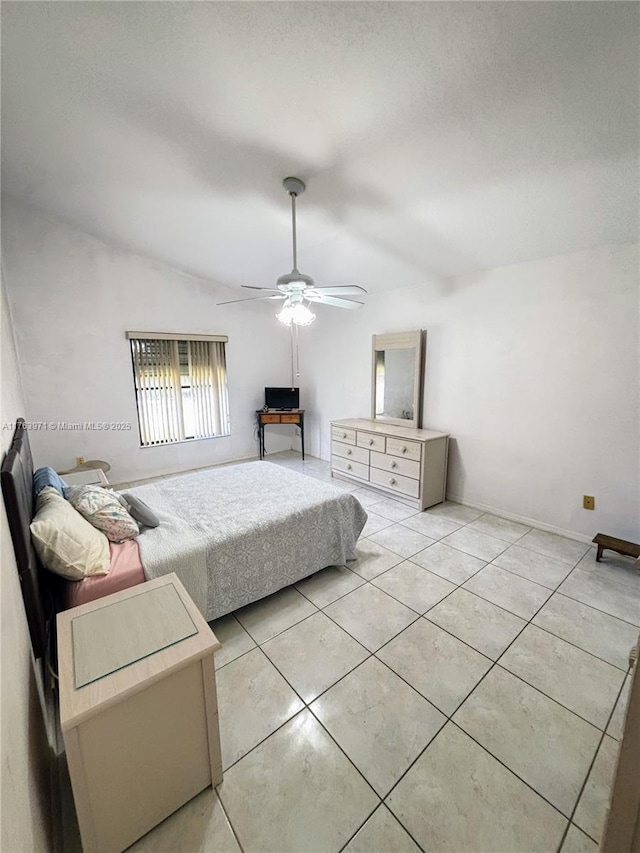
<point>238,533</point>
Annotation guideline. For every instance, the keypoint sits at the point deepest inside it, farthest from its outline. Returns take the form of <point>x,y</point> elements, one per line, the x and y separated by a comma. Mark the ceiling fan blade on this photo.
<point>252,299</point>
<point>337,301</point>
<point>340,290</point>
<point>252,287</point>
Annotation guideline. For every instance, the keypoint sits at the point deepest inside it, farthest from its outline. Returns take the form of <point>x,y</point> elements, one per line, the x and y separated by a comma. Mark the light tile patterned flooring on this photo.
<point>458,687</point>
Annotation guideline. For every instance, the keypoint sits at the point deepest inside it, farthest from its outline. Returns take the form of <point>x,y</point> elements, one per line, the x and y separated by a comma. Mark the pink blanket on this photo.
<point>125,571</point>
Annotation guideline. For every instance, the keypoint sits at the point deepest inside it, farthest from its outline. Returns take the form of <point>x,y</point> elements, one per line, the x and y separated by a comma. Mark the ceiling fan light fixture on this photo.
<point>297,313</point>
<point>284,315</point>
<point>302,315</point>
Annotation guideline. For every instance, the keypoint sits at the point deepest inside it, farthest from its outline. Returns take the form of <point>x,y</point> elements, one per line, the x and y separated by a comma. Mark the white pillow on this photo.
<point>103,510</point>
<point>66,543</point>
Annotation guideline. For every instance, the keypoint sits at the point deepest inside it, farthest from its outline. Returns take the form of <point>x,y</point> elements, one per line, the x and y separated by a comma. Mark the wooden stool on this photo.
<point>620,546</point>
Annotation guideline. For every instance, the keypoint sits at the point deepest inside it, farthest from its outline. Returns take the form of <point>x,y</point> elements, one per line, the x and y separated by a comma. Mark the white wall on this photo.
<point>532,368</point>
<point>26,819</point>
<point>72,299</point>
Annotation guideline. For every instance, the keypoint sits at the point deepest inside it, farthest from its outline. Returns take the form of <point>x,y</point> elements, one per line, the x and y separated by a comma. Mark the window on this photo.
<point>181,386</point>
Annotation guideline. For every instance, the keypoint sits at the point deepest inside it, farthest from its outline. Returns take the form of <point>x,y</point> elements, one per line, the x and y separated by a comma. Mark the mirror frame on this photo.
<point>400,340</point>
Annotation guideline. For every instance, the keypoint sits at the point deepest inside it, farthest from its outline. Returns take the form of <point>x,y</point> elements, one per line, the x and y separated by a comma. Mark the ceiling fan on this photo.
<point>297,290</point>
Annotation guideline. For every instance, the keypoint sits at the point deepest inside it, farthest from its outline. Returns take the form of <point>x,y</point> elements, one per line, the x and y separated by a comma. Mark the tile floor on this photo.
<point>458,687</point>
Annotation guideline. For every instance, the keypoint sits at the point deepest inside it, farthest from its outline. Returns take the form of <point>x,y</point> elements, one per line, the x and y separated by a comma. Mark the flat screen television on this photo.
<point>282,398</point>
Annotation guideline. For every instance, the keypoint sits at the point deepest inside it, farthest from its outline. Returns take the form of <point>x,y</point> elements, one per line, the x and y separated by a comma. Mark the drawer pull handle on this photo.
<point>370,441</point>
<point>349,467</point>
<point>349,452</point>
<point>344,435</point>
<point>394,464</point>
<point>404,449</point>
<point>392,482</point>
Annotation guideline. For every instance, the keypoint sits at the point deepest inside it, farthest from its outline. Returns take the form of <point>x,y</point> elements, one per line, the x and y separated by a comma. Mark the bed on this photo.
<point>238,533</point>
<point>232,535</point>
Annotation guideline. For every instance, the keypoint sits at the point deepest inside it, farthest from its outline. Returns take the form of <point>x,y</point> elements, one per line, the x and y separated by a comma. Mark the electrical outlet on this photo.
<point>588,502</point>
<point>79,460</point>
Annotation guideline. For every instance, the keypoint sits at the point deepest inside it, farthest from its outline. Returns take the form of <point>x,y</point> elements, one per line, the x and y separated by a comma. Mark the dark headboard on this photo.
<point>17,489</point>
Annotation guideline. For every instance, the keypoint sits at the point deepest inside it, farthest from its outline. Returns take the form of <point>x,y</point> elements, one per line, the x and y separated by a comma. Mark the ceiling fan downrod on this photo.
<point>295,187</point>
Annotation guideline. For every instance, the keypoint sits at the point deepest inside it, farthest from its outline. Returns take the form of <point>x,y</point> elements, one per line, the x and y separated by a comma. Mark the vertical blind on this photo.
<point>181,387</point>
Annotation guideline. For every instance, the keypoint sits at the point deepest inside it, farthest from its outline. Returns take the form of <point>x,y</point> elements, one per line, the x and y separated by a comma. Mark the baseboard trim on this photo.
<point>522,519</point>
<point>132,484</point>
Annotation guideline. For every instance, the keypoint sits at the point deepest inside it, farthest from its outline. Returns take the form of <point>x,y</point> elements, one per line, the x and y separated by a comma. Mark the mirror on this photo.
<point>396,390</point>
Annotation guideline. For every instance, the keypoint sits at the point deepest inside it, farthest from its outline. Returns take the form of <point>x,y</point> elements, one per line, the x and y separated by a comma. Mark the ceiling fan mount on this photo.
<point>298,289</point>
<point>293,279</point>
<point>294,185</point>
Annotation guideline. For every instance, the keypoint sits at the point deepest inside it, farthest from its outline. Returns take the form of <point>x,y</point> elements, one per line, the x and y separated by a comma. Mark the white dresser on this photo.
<point>408,463</point>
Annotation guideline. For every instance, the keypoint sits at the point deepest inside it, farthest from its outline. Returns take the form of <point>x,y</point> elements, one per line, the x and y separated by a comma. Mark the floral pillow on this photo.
<point>103,509</point>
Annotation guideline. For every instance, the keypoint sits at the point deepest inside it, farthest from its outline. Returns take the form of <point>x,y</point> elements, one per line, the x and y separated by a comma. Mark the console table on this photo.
<point>279,416</point>
<point>138,709</point>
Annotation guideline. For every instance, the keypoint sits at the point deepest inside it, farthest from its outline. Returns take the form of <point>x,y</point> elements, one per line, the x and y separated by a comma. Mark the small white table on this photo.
<point>88,477</point>
<point>138,709</point>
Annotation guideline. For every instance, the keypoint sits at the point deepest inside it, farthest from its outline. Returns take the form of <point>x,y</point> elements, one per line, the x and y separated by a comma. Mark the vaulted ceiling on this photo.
<point>435,138</point>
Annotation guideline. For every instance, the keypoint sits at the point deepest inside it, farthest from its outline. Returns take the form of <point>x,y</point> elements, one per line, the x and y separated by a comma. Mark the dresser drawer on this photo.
<point>339,463</point>
<point>355,454</point>
<point>407,467</point>
<point>406,449</point>
<point>400,484</point>
<point>348,436</point>
<point>291,418</point>
<point>371,441</point>
<point>270,419</point>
